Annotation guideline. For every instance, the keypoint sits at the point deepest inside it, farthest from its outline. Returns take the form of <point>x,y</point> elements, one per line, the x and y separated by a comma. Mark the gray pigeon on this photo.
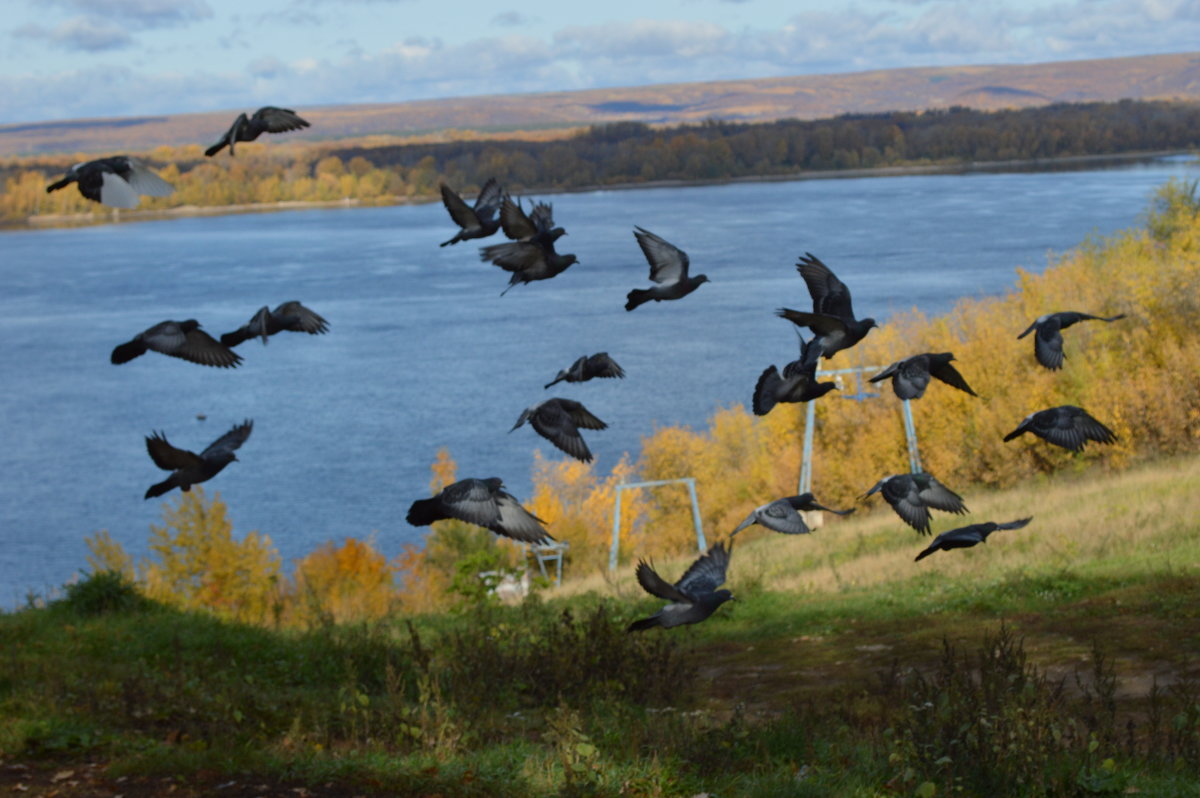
<point>290,316</point>
<point>911,376</point>
<point>798,383</point>
<point>693,598</point>
<point>558,421</point>
<point>479,221</point>
<point>1048,342</point>
<point>117,181</point>
<point>911,496</point>
<point>181,339</point>
<point>783,515</point>
<point>1067,426</point>
<point>832,317</point>
<point>527,260</point>
<point>588,367</point>
<point>189,468</point>
<point>482,502</point>
<point>668,268</point>
<point>967,536</point>
<point>267,119</point>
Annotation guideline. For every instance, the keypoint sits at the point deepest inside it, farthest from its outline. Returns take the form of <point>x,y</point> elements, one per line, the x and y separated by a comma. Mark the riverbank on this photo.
<point>117,216</point>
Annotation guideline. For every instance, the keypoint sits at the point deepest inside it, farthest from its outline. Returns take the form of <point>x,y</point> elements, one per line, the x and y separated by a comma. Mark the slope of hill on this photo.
<point>1174,76</point>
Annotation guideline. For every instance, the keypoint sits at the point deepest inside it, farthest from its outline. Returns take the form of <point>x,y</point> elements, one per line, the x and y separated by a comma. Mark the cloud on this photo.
<point>141,13</point>
<point>79,33</point>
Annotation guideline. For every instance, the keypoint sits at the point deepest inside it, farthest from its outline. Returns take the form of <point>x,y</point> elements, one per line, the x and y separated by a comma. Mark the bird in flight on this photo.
<point>798,383</point>
<point>482,502</point>
<point>478,221</point>
<point>188,468</point>
<point>693,598</point>
<point>181,339</point>
<point>531,255</point>
<point>1067,426</point>
<point>291,316</point>
<point>118,181</point>
<point>558,421</point>
<point>967,536</point>
<point>588,367</point>
<point>267,119</point>
<point>1048,340</point>
<point>911,496</point>
<point>668,268</point>
<point>911,376</point>
<point>783,515</point>
<point>832,317</point>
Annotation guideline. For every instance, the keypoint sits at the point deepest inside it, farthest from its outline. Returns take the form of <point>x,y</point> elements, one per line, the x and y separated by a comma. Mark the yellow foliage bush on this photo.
<point>351,582</point>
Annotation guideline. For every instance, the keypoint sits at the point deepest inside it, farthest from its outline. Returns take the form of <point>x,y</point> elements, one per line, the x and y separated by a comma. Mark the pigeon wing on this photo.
<point>707,573</point>
<point>489,199</point>
<point>515,256</point>
<point>277,120</point>
<point>470,500</point>
<point>902,495</point>
<point>542,217</point>
<point>1048,345</point>
<point>939,497</point>
<point>200,347</point>
<point>829,294</point>
<point>116,192</point>
<point>294,316</point>
<point>601,365</point>
<point>580,415</point>
<point>1070,427</point>
<point>668,263</point>
<point>781,516</point>
<point>819,323</point>
<point>515,222</point>
<point>945,371</point>
<point>462,213</point>
<point>229,442</point>
<point>169,458</point>
<point>655,585</point>
<point>516,522</point>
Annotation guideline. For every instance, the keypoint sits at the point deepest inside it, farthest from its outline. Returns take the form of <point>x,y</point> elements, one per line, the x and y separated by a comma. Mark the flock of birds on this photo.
<point>530,255</point>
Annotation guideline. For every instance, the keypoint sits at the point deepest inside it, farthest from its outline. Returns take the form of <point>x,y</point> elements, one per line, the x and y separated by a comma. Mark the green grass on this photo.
<point>1055,660</point>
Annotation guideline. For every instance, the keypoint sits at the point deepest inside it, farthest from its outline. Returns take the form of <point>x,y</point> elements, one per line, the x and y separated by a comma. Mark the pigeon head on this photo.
<point>876,489</point>
<point>718,598</point>
<point>868,323</point>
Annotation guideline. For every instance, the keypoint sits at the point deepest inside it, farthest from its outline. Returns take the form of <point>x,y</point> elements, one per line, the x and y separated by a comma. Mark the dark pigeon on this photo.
<point>911,496</point>
<point>832,317</point>
<point>911,376</point>
<point>117,181</point>
<point>588,367</point>
<point>181,339</point>
<point>479,221</point>
<point>783,515</point>
<point>267,119</point>
<point>968,536</point>
<point>693,598</point>
<point>188,468</point>
<point>668,268</point>
<point>290,316</point>
<point>1048,342</point>
<point>482,502</point>
<point>1067,426</point>
<point>798,383</point>
<point>558,421</point>
<point>528,261</point>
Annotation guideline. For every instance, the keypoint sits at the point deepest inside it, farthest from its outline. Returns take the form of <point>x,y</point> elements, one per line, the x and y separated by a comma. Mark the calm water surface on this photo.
<point>424,353</point>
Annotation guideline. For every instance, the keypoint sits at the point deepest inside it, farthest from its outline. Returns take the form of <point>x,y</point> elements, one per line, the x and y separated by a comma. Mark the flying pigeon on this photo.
<point>966,536</point>
<point>1048,342</point>
<point>482,502</point>
<point>798,383</point>
<point>527,260</point>
<point>479,221</point>
<point>558,421</point>
<point>188,468</point>
<point>832,316</point>
<point>1067,426</point>
<point>264,323</point>
<point>588,367</point>
<point>693,598</point>
<point>668,268</point>
<point>783,515</point>
<point>911,376</point>
<point>117,181</point>
<point>536,227</point>
<point>182,339</point>
<point>267,119</point>
<point>911,496</point>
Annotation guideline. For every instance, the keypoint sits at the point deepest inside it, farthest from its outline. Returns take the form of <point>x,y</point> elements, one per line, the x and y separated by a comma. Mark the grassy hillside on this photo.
<point>1058,659</point>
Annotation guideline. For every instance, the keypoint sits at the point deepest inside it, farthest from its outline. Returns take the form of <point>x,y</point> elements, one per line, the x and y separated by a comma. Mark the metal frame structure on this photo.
<point>550,552</point>
<point>614,549</point>
<point>910,430</point>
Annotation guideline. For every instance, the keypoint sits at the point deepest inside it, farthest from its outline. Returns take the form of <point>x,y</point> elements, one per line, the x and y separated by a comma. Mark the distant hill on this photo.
<point>1167,77</point>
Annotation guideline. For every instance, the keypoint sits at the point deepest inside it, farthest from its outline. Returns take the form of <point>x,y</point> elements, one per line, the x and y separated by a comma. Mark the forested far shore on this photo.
<point>622,154</point>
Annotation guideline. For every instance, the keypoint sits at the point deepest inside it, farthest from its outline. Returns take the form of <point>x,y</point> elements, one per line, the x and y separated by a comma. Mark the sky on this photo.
<point>62,59</point>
